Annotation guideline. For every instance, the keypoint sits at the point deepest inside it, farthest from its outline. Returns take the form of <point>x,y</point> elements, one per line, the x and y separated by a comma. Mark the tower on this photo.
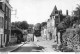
<point>54,12</point>
<point>56,15</point>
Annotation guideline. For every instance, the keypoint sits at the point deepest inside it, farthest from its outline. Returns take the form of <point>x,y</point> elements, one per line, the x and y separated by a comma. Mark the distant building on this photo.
<point>55,18</point>
<point>5,33</point>
<point>51,24</point>
<point>44,32</point>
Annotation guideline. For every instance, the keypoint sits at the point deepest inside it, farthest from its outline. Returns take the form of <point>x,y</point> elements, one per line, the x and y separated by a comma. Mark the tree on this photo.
<point>18,32</point>
<point>43,24</point>
<point>24,25</point>
<point>76,16</point>
<point>21,25</point>
<point>64,24</point>
<point>16,24</point>
<point>37,26</point>
<point>77,11</point>
<point>61,26</point>
<point>37,29</point>
<point>30,28</point>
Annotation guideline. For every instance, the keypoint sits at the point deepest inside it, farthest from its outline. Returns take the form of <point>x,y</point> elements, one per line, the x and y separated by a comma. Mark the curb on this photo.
<point>17,47</point>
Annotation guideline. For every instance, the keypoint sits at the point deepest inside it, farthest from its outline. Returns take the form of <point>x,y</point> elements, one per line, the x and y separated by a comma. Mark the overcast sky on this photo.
<point>37,11</point>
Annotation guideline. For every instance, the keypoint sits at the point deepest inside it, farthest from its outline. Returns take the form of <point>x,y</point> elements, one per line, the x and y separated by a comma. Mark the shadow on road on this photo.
<point>28,49</point>
<point>38,48</point>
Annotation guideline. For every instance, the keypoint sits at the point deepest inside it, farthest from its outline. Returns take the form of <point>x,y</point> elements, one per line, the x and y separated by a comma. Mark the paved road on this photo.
<point>29,47</point>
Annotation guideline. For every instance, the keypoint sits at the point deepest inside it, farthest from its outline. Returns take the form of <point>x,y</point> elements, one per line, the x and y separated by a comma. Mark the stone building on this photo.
<point>50,29</point>
<point>52,23</point>
<point>44,32</point>
<point>55,18</point>
<point>6,8</point>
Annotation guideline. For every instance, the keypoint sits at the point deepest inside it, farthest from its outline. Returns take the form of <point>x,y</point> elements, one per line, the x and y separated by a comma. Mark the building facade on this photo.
<point>44,32</point>
<point>1,28</point>
<point>55,18</point>
<point>52,23</point>
<point>6,8</point>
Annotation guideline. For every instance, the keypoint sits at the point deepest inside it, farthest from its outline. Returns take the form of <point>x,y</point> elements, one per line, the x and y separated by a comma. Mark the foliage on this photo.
<point>72,35</point>
<point>65,49</point>
<point>71,38</point>
<point>37,26</point>
<point>17,32</point>
<point>37,29</point>
<point>30,28</point>
<point>21,25</point>
<point>43,24</point>
<point>77,11</point>
<point>68,22</point>
<point>64,24</point>
<point>24,25</point>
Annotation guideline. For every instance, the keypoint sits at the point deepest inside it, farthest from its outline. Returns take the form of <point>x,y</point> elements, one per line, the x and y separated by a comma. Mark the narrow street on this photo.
<point>29,47</point>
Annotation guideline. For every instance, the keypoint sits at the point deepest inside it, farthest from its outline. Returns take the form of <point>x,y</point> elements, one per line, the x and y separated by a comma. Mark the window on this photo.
<point>1,22</point>
<point>56,12</point>
<point>5,24</point>
<point>56,16</point>
<point>5,37</point>
<point>6,11</point>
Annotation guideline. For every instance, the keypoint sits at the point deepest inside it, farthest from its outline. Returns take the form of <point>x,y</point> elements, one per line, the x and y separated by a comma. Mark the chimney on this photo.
<point>66,12</point>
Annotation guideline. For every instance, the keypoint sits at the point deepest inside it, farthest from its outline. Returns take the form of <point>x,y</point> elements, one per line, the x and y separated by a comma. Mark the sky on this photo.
<point>37,11</point>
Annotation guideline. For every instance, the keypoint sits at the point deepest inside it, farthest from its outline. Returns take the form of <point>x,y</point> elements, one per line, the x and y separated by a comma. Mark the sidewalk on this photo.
<point>49,45</point>
<point>11,48</point>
